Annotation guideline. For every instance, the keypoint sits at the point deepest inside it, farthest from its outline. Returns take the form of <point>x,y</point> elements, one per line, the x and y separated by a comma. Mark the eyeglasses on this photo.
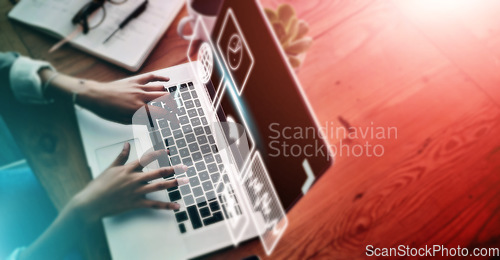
<point>92,14</point>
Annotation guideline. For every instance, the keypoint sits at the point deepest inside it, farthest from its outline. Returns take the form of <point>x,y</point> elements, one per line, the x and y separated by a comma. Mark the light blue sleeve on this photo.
<point>25,81</point>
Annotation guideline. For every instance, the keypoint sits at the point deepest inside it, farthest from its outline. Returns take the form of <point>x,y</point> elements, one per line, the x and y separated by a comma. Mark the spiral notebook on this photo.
<point>128,48</point>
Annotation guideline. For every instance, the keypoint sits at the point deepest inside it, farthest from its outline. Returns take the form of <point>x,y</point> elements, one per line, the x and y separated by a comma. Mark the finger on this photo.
<point>163,172</point>
<point>144,79</point>
<point>123,156</point>
<point>153,87</point>
<point>162,185</point>
<point>148,158</point>
<point>158,204</point>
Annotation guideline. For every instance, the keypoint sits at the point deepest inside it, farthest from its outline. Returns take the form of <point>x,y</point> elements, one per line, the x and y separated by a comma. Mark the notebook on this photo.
<point>128,48</point>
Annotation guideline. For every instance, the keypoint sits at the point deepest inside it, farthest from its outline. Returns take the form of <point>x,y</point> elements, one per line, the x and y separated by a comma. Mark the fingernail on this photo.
<point>182,181</point>
<point>184,167</point>
<point>176,206</point>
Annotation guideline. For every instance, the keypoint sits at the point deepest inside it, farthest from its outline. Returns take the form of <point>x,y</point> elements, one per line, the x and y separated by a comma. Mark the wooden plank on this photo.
<point>442,26</point>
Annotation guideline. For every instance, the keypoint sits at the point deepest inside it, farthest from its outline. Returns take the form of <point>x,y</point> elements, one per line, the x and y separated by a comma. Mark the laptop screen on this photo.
<point>262,96</point>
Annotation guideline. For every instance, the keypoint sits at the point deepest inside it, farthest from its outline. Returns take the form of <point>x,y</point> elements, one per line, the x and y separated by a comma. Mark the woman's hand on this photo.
<point>118,101</point>
<point>123,187</point>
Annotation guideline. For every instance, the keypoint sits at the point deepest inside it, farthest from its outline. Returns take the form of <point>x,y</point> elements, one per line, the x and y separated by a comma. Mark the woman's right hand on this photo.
<point>123,187</point>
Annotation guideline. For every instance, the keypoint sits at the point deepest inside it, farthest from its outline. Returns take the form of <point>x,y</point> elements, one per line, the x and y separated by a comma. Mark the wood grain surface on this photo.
<point>430,72</point>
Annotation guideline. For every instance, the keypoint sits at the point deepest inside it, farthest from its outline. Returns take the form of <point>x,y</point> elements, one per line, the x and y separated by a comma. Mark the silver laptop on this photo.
<point>222,135</point>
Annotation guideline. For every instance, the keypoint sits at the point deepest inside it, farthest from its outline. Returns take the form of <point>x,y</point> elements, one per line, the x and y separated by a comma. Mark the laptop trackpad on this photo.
<point>106,155</point>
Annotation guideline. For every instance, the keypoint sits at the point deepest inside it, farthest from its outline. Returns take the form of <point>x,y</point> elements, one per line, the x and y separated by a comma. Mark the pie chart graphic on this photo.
<point>234,52</point>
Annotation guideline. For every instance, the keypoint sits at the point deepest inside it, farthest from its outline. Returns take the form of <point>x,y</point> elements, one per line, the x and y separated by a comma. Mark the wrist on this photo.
<point>86,93</point>
<point>82,208</point>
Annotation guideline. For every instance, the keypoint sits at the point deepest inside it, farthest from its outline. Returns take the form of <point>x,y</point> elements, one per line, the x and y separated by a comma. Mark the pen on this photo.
<point>139,10</point>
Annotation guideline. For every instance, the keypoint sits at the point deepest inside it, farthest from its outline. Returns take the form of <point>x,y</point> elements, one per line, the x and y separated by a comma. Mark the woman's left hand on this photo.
<point>118,101</point>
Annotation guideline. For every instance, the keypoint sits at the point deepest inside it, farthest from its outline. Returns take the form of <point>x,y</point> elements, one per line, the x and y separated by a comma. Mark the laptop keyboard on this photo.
<point>191,142</point>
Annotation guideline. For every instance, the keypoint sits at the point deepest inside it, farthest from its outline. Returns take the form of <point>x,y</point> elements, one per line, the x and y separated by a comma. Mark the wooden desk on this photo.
<point>430,73</point>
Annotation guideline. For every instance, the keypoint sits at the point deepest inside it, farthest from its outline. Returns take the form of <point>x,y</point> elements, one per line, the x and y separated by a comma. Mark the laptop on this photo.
<point>237,103</point>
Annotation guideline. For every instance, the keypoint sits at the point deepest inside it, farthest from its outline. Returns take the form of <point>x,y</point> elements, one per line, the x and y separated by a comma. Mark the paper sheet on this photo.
<point>128,47</point>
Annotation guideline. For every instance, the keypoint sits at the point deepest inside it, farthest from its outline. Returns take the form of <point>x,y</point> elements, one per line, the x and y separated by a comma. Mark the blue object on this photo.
<point>26,210</point>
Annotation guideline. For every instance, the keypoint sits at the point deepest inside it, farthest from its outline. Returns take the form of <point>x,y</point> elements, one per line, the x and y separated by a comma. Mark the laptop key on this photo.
<point>185,189</point>
<point>202,139</point>
<point>187,129</point>
<point>166,132</point>
<point>178,134</point>
<point>191,171</point>
<point>204,120</point>
<point>162,123</point>
<point>169,141</point>
<point>203,176</point>
<point>187,161</point>
<point>211,139</point>
<point>205,212</point>
<point>197,102</point>
<point>174,125</point>
<point>193,147</point>
<point>184,152</point>
<point>198,131</point>
<point>181,111</point>
<point>215,177</point>
<point>193,93</point>
<point>200,166</point>
<point>220,187</point>
<point>212,168</point>
<point>174,195</point>
<point>184,120</point>
<point>218,216</point>
<point>205,149</point>
<point>197,156</point>
<point>191,85</point>
<point>188,200</point>
<point>214,206</point>
<point>186,95</point>
<point>218,158</point>
<point>200,112</point>
<point>208,221</point>
<point>194,216</point>
<point>194,181</point>
<point>181,143</point>
<point>189,104</point>
<point>172,150</point>
<point>209,158</point>
<point>207,130</point>
<point>182,228</point>
<point>214,148</point>
<point>181,216</point>
<point>175,160</point>
<point>190,138</point>
<point>195,121</point>
<point>192,112</point>
<point>197,191</point>
<point>207,186</point>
